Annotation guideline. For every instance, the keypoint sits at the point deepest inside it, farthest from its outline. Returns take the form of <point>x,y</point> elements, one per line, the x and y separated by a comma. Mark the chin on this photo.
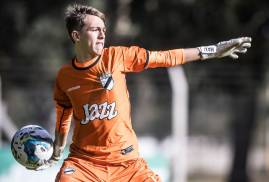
<point>99,52</point>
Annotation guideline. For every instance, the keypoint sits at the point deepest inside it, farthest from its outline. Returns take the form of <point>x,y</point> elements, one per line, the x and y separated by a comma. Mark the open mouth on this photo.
<point>100,43</point>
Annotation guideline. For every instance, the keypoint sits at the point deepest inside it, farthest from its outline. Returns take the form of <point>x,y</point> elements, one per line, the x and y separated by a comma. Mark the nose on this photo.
<point>101,34</point>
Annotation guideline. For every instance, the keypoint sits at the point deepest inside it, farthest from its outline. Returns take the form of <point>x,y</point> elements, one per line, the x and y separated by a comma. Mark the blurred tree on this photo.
<point>169,24</point>
<point>33,45</point>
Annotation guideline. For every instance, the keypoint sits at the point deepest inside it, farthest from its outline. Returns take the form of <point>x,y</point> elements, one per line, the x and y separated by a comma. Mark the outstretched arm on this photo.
<point>222,49</point>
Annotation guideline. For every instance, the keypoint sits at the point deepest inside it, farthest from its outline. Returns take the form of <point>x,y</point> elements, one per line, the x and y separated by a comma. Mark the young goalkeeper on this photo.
<point>91,89</point>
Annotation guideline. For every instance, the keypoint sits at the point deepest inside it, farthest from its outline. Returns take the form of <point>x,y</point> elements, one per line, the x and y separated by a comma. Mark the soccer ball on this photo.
<point>31,145</point>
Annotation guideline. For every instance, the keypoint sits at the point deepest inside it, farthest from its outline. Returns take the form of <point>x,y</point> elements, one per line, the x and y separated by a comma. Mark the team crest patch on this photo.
<point>107,81</point>
<point>69,170</point>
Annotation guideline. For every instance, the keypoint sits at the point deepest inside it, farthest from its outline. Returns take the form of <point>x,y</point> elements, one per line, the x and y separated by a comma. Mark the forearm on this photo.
<point>191,54</point>
<point>173,57</point>
<point>59,144</point>
<point>168,58</point>
<point>60,139</point>
<point>63,122</point>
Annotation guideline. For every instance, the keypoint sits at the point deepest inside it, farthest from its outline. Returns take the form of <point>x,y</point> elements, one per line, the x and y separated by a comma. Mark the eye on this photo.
<point>94,29</point>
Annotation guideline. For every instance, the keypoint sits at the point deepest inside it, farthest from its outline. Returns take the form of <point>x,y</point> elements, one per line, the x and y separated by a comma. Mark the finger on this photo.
<point>241,50</point>
<point>29,168</point>
<point>245,39</point>
<point>246,45</point>
<point>41,163</point>
<point>45,166</point>
<point>235,42</point>
<point>42,168</point>
<point>52,162</point>
<point>233,56</point>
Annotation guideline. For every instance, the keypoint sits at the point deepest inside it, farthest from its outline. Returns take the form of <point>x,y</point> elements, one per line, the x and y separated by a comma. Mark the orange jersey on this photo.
<point>95,92</point>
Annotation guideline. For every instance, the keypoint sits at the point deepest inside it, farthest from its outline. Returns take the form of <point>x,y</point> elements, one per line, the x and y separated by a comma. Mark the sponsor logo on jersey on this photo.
<point>107,81</point>
<point>99,111</point>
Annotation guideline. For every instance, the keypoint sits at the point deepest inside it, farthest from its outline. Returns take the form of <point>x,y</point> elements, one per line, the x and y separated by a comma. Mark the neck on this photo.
<point>83,56</point>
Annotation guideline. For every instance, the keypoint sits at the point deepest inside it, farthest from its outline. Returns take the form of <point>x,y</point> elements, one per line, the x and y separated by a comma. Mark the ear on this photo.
<point>75,36</point>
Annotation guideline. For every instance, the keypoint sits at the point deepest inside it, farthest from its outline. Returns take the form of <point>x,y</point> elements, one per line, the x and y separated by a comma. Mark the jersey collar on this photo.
<point>85,65</point>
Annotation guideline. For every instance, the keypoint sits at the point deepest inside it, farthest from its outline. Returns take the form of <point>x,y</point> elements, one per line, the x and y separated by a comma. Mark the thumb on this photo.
<point>233,56</point>
<point>40,168</point>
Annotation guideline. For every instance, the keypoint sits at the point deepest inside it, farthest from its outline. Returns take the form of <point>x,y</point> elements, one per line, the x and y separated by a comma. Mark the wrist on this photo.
<point>57,152</point>
<point>207,52</point>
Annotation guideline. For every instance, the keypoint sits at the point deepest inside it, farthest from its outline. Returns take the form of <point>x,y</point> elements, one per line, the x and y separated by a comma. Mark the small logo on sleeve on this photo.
<point>73,88</point>
<point>69,170</point>
<point>107,81</point>
<point>127,150</point>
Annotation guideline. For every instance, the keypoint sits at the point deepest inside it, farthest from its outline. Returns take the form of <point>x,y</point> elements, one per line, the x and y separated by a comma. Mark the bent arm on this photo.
<point>63,122</point>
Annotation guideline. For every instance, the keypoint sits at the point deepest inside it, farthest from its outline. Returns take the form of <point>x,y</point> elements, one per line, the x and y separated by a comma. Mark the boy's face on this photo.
<point>91,38</point>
